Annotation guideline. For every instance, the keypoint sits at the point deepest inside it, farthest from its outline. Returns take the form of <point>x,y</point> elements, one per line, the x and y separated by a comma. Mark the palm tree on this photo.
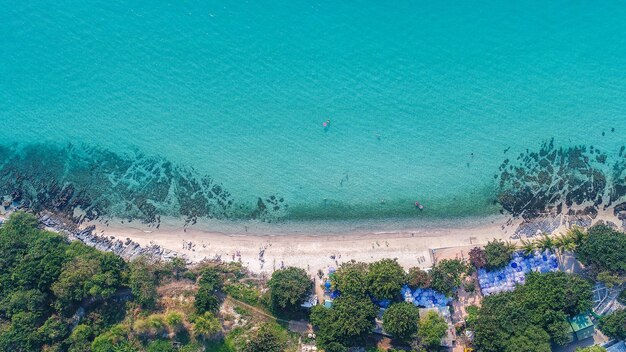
<point>545,242</point>
<point>576,235</point>
<point>527,247</point>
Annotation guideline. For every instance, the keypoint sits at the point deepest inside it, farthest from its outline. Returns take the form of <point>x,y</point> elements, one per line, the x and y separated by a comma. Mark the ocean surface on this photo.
<point>425,98</point>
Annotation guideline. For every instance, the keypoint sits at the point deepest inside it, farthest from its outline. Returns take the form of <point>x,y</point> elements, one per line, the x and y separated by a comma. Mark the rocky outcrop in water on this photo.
<point>553,180</point>
<point>86,183</point>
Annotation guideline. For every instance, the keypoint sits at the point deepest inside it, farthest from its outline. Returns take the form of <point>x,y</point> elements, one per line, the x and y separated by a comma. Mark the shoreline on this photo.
<point>263,253</point>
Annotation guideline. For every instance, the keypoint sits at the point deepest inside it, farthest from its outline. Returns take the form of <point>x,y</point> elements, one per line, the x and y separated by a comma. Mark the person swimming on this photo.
<point>326,124</point>
<point>419,206</point>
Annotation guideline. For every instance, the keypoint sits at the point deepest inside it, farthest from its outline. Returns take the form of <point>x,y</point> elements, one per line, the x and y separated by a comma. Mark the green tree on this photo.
<point>431,329</point>
<point>42,280</point>
<point>401,319</point>
<point>418,278</point>
<point>207,299</point>
<point>385,279</point>
<point>351,279</point>
<point>609,279</point>
<point>535,312</point>
<point>446,275</point>
<point>498,254</point>
<point>345,324</point>
<point>614,324</point>
<point>80,339</point>
<point>289,288</point>
<point>604,248</point>
<point>268,338</point>
<point>143,282</point>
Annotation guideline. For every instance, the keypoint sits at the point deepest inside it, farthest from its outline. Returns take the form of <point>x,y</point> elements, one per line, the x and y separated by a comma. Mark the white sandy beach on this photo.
<point>266,253</point>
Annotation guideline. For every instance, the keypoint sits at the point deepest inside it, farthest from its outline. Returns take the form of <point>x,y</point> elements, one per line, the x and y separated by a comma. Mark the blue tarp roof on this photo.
<point>515,271</point>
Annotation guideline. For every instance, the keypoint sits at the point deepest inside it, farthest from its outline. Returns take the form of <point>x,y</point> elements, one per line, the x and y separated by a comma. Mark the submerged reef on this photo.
<point>552,180</point>
<point>88,183</point>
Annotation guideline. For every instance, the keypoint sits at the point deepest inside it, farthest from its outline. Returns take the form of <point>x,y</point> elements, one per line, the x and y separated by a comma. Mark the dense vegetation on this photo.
<point>533,315</point>
<point>614,324</point>
<point>361,284</point>
<point>605,249</point>
<point>60,296</point>
<point>44,281</point>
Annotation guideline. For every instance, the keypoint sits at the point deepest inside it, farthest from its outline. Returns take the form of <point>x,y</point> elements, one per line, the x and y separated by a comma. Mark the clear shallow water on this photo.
<point>239,91</point>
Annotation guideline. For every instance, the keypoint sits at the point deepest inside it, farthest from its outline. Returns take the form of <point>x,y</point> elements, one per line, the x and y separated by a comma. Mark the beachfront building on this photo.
<point>582,327</point>
<point>619,346</point>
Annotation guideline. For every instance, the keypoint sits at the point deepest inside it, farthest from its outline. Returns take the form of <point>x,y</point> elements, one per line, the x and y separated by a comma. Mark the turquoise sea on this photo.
<point>423,97</point>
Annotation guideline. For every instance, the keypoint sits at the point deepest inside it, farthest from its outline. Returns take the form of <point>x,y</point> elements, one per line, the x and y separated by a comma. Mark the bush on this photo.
<point>614,324</point>
<point>604,248</point>
<point>245,293</point>
<point>206,325</point>
<point>268,338</point>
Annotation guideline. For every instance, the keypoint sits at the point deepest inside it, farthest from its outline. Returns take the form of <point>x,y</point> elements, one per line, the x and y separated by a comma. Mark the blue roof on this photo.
<point>618,347</point>
<point>424,297</point>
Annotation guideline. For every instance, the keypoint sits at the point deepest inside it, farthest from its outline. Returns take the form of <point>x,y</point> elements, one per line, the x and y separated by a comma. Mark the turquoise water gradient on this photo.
<point>239,90</point>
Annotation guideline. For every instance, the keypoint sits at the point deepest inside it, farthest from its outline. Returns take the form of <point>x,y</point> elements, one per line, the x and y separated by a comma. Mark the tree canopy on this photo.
<point>206,298</point>
<point>418,278</point>
<point>533,314</point>
<point>345,324</point>
<point>446,275</point>
<point>604,248</point>
<point>432,328</point>
<point>477,257</point>
<point>498,254</point>
<point>44,279</point>
<point>351,279</point>
<point>401,319</point>
<point>268,338</point>
<point>385,279</point>
<point>614,324</point>
<point>289,288</point>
